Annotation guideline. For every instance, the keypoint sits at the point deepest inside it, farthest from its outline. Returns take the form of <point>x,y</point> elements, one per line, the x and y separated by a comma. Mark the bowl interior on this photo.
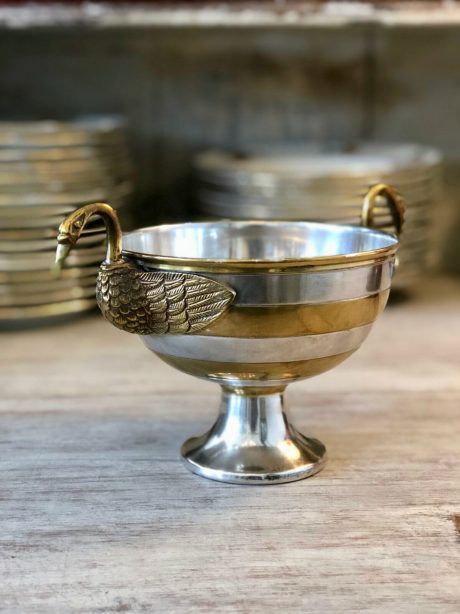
<point>273,241</point>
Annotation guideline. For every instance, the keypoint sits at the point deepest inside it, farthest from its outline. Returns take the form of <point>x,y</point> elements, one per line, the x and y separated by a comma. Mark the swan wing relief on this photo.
<point>159,303</point>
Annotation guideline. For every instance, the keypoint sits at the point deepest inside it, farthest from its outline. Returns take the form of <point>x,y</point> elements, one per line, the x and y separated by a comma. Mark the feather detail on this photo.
<point>157,303</point>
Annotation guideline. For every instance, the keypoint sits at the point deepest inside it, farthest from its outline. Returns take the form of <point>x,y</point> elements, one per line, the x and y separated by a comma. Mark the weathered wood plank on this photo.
<point>98,515</point>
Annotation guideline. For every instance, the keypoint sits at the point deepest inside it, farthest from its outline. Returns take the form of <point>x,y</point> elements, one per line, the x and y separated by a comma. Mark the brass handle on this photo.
<point>144,302</point>
<point>395,201</point>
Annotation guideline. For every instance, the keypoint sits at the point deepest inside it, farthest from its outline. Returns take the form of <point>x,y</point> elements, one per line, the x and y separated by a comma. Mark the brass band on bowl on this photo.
<point>256,372</point>
<point>293,320</point>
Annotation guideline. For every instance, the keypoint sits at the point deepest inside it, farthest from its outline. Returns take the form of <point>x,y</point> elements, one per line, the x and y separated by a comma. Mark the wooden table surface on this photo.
<point>97,514</point>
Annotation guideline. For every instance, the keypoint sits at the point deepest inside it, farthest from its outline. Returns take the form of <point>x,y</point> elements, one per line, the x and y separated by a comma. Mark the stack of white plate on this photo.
<point>47,170</point>
<point>325,184</point>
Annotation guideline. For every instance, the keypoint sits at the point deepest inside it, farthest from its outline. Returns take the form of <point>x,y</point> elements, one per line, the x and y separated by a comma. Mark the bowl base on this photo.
<point>252,442</point>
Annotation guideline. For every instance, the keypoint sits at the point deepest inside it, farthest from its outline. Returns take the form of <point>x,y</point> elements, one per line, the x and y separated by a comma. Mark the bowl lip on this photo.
<point>231,264</point>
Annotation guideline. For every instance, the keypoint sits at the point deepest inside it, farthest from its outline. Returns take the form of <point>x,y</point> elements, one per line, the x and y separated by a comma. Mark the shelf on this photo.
<point>283,14</point>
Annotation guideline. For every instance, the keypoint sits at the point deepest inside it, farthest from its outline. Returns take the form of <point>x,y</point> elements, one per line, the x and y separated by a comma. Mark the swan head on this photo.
<point>72,227</point>
<point>69,233</point>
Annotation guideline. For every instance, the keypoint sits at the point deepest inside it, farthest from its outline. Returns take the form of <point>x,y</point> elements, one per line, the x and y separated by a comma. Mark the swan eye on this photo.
<point>77,225</point>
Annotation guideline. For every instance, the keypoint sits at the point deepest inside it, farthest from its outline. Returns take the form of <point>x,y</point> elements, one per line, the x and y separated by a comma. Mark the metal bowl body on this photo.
<point>306,297</point>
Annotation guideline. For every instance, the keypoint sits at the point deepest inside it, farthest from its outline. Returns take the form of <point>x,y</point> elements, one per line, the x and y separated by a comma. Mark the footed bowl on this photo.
<point>252,306</point>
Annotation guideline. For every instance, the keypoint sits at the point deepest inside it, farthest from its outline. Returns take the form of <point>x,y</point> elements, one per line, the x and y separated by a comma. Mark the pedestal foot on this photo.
<point>252,442</point>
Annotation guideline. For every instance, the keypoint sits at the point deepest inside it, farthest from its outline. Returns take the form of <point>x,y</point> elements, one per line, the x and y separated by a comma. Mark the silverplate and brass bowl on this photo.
<point>252,306</point>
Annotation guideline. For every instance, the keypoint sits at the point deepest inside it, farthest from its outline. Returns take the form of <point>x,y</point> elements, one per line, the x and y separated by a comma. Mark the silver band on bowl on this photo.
<point>303,288</point>
<point>265,350</point>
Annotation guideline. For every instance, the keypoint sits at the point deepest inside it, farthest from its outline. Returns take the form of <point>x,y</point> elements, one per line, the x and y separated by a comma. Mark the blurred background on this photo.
<point>195,110</point>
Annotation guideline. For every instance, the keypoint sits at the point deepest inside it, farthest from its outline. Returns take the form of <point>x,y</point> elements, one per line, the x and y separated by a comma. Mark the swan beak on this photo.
<point>62,251</point>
